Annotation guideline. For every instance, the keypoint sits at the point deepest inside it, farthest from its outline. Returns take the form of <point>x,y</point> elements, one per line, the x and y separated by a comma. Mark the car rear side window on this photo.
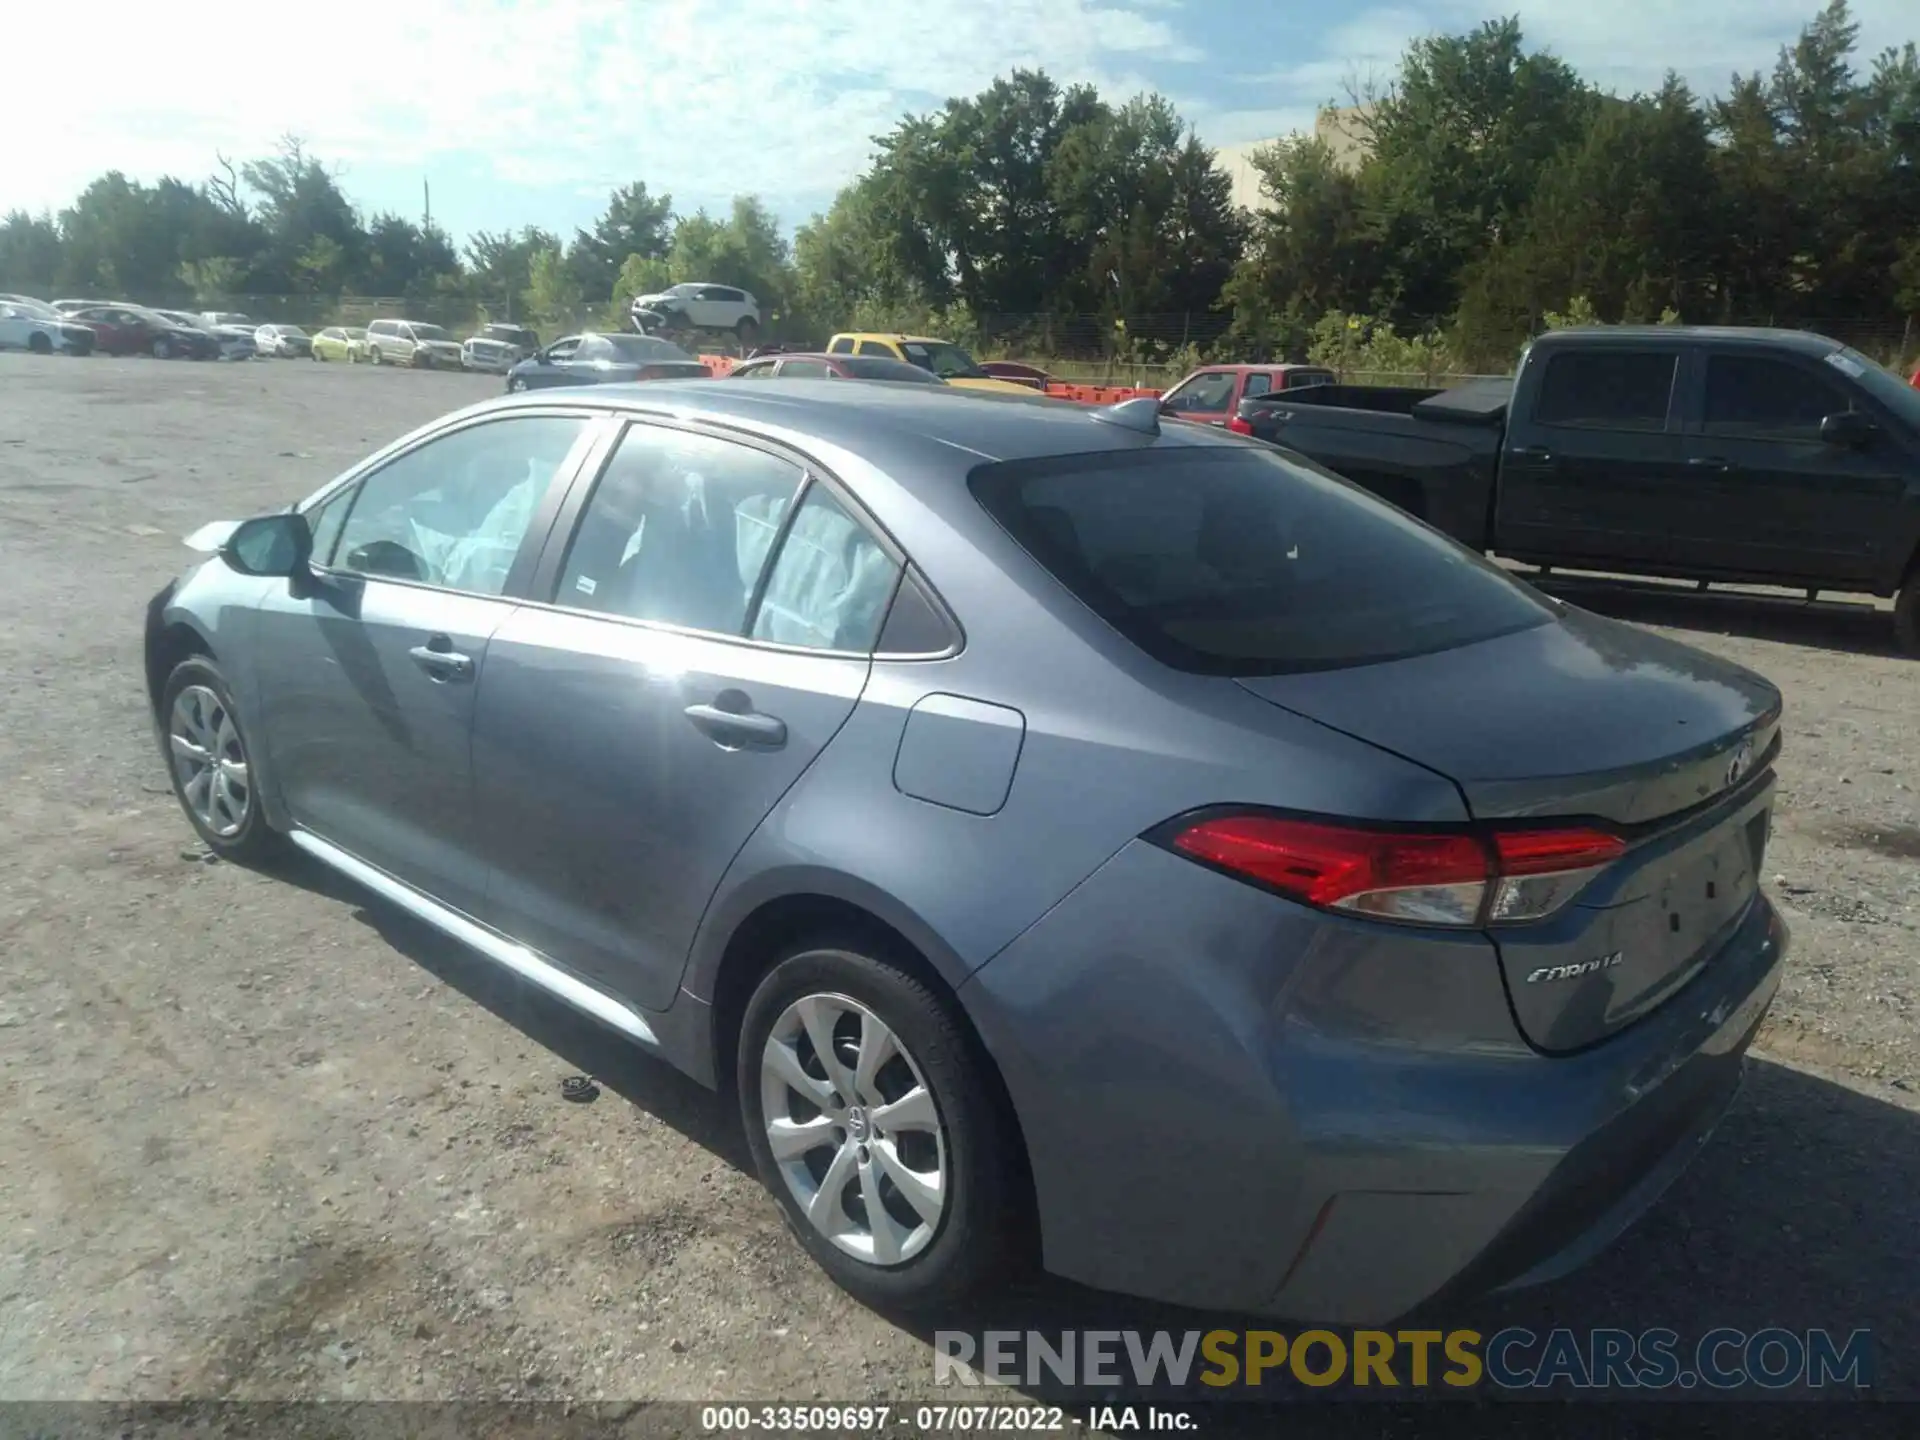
<point>678,530</point>
<point>830,583</point>
<point>842,346</point>
<point>874,347</point>
<point>1607,389</point>
<point>1236,561</point>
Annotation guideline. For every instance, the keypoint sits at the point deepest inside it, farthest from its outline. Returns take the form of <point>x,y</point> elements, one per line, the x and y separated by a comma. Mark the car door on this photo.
<point>1594,468</point>
<point>554,365</point>
<point>1206,397</point>
<point>1766,495</point>
<point>632,734</point>
<point>367,670</point>
<point>111,328</point>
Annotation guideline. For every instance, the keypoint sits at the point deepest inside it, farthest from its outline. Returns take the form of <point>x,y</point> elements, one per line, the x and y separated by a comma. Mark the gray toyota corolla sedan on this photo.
<point>1049,820</point>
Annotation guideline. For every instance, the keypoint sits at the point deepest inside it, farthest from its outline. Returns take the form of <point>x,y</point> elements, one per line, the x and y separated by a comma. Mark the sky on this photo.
<point>520,112</point>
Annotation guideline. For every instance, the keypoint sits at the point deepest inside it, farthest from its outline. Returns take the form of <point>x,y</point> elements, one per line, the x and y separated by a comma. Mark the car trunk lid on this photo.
<point>1585,719</point>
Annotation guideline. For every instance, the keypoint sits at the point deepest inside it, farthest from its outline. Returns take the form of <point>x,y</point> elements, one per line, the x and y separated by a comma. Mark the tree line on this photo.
<point>1499,193</point>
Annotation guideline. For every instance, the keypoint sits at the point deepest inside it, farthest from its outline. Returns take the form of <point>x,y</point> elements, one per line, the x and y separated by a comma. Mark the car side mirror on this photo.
<point>278,545</point>
<point>1849,428</point>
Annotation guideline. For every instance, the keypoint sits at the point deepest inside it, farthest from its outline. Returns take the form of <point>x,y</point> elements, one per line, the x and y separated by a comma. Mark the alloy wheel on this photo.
<point>854,1129</point>
<point>209,761</point>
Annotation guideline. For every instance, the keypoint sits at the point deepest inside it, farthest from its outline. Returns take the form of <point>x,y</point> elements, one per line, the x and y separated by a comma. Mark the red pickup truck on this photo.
<point>1212,394</point>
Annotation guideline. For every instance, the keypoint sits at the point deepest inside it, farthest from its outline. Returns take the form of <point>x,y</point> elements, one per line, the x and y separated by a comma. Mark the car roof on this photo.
<point>924,434</point>
<point>1804,341</point>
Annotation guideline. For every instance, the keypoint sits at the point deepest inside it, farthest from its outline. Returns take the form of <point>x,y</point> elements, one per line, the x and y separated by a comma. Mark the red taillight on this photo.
<point>1458,878</point>
<point>1240,426</point>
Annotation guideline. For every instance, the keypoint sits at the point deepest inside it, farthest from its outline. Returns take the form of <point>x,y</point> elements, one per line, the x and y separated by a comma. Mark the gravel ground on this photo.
<point>264,1139</point>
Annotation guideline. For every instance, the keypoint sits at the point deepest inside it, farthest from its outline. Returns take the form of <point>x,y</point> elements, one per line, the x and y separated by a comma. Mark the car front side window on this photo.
<point>1203,392</point>
<point>454,511</point>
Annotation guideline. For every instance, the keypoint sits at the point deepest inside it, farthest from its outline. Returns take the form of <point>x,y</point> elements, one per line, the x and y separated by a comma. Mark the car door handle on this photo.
<point>734,727</point>
<point>440,660</point>
<point>1713,464</point>
<point>1532,455</point>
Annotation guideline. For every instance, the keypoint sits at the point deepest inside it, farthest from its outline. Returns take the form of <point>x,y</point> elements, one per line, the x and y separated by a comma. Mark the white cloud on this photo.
<point>777,97</point>
<point>706,98</point>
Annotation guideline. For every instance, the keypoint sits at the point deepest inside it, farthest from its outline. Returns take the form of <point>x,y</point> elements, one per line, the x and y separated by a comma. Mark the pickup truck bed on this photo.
<point>1434,453</point>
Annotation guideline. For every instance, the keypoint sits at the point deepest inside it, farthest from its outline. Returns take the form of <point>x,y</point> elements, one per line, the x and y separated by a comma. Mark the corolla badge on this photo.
<point>1740,763</point>
<point>1577,969</point>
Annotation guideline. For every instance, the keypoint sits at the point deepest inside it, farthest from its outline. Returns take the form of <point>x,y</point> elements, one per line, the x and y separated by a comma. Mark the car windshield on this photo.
<point>644,348</point>
<point>1879,382</point>
<point>37,308</point>
<point>949,362</point>
<point>872,367</point>
<point>430,332</point>
<point>354,333</point>
<point>1232,560</point>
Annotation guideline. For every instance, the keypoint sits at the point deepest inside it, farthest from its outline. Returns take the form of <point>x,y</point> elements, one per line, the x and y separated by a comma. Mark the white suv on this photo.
<point>707,307</point>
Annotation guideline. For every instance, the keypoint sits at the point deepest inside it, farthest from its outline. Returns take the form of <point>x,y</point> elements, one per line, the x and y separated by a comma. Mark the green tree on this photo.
<point>553,298</point>
<point>1146,211</point>
<point>1458,146</point>
<point>634,223</point>
<point>30,253</point>
<point>1627,219</point>
<point>1313,248</point>
<point>301,206</point>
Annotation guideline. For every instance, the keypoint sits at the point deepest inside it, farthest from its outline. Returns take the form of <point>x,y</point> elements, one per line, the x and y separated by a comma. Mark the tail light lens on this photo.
<point>1240,426</point>
<point>1458,878</point>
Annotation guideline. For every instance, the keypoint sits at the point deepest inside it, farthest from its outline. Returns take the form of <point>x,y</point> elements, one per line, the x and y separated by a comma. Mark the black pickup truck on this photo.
<point>1768,457</point>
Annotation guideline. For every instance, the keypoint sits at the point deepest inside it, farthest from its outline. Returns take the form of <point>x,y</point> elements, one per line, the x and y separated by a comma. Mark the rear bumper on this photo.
<point>1235,1103</point>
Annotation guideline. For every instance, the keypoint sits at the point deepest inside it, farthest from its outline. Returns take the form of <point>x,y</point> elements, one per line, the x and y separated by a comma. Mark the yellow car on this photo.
<point>340,342</point>
<point>941,357</point>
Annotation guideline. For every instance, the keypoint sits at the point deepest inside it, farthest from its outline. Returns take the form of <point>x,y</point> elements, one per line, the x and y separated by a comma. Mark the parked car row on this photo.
<point>121,327</point>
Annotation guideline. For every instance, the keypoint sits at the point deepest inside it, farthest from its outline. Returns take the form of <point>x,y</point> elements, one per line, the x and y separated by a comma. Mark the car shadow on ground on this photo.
<point>1854,625</point>
<point>1803,1213</point>
<point>613,1061</point>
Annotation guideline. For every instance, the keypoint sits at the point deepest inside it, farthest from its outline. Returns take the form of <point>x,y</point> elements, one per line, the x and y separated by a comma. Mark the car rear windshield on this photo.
<point>1234,561</point>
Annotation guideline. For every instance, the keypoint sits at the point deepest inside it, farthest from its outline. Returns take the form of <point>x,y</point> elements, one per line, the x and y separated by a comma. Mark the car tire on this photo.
<point>1906,614</point>
<point>515,385</point>
<point>162,348</point>
<point>39,344</point>
<point>373,355</point>
<point>961,1128</point>
<point>197,713</point>
<point>746,330</point>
